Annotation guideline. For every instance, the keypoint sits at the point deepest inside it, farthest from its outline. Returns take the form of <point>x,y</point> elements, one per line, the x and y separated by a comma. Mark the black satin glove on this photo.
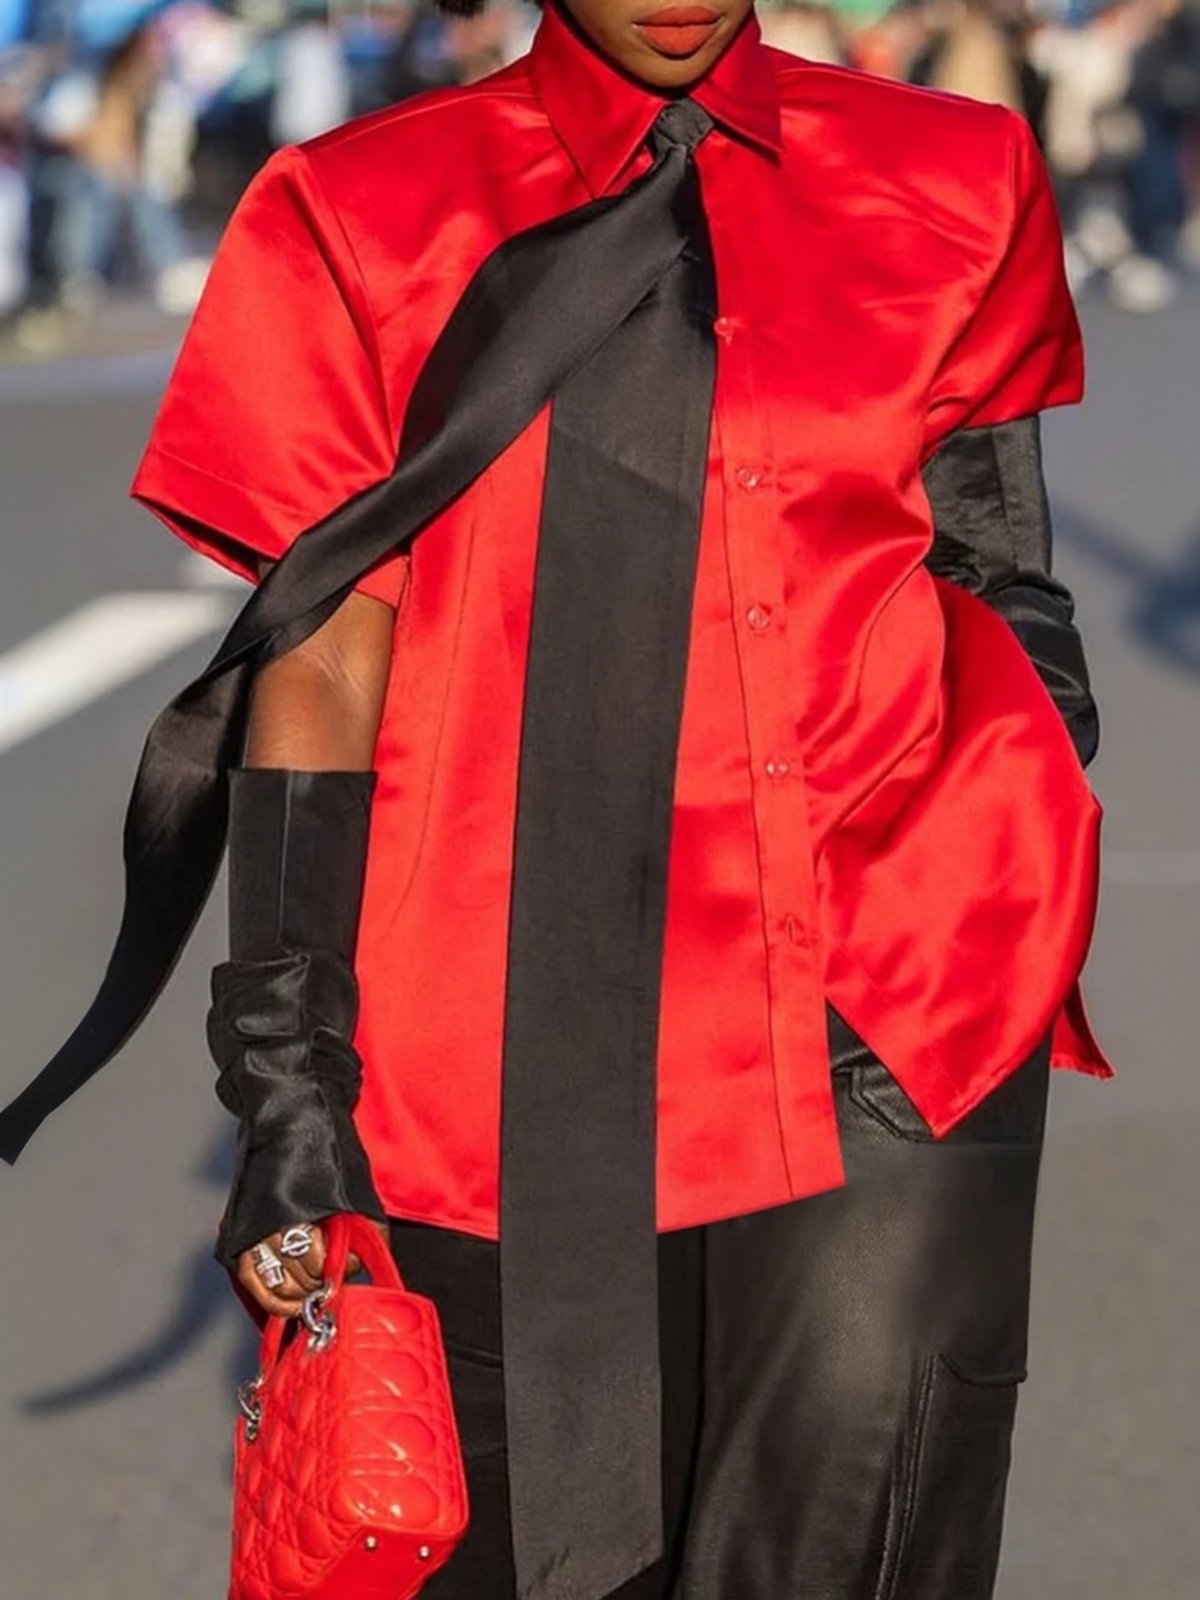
<point>284,1006</point>
<point>992,536</point>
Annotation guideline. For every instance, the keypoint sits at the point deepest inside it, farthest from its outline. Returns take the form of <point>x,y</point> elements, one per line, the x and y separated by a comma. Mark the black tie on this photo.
<point>612,613</point>
<point>607,311</point>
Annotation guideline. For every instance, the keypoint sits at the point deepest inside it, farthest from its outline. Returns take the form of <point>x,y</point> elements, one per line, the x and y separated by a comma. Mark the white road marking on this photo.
<point>96,649</point>
<point>201,572</point>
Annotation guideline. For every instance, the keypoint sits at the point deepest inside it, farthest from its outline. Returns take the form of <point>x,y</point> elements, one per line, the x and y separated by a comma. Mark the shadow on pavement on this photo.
<point>203,1300</point>
<point>1164,597</point>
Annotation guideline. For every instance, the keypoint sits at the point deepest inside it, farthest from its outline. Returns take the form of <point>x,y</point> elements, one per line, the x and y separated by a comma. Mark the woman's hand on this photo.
<point>302,1274</point>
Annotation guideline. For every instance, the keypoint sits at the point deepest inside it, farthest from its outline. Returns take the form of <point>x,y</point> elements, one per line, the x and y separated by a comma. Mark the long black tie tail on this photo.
<point>520,329</point>
<point>608,653</point>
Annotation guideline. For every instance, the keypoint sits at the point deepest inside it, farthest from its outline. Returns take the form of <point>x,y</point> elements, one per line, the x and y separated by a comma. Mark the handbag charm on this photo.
<point>348,1474</point>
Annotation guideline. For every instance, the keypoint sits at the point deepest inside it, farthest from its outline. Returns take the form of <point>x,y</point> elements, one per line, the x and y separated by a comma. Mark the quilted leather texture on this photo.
<point>357,1443</point>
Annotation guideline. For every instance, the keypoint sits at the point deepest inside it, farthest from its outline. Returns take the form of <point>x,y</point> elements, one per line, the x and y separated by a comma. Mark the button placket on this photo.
<point>761,625</point>
<point>763,622</point>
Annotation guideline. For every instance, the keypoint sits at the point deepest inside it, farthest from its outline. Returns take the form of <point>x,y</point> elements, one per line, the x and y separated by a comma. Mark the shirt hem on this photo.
<point>825,1174</point>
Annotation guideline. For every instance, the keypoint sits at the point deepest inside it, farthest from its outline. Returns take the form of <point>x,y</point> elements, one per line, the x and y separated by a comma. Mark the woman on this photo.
<point>101,135</point>
<point>661,843</point>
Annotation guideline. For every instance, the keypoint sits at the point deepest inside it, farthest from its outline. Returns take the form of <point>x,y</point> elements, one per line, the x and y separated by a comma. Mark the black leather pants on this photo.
<point>840,1373</point>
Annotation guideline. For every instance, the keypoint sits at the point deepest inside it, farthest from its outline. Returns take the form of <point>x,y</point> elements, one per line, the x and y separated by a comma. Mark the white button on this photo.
<point>778,768</point>
<point>749,477</point>
<point>725,327</point>
<point>759,618</point>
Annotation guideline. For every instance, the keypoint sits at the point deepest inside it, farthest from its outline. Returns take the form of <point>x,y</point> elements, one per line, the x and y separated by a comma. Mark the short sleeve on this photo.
<point>1020,350</point>
<point>275,412</point>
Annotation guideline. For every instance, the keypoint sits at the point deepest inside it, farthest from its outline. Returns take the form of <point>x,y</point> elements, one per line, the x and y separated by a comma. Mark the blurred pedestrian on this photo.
<point>480,44</point>
<point>423,58</point>
<point>1164,91</point>
<point>971,52</point>
<point>14,195</point>
<point>1120,84</point>
<point>808,30</point>
<point>313,86</point>
<point>97,141</point>
<point>894,44</point>
<point>661,860</point>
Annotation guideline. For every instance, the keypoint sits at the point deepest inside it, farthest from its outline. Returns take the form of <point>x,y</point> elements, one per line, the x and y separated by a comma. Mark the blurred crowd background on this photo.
<point>129,127</point>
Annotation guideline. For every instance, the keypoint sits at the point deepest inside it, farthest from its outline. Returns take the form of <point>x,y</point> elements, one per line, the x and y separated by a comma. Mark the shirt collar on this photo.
<point>603,117</point>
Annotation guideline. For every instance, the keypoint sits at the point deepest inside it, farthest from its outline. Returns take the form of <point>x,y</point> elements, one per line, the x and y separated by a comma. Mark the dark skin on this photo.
<point>613,26</point>
<point>318,708</point>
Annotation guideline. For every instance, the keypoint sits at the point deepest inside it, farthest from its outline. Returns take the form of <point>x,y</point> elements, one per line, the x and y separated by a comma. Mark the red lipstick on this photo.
<point>678,30</point>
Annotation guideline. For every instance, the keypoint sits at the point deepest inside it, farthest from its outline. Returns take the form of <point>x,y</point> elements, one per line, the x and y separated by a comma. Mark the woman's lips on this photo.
<point>678,30</point>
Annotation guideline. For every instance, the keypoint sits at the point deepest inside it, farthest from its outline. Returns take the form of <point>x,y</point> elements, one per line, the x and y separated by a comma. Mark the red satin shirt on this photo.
<point>877,801</point>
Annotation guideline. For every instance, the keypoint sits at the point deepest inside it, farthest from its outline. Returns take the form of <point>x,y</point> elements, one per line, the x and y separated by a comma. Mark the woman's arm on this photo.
<point>315,711</point>
<point>992,536</point>
<point>1018,353</point>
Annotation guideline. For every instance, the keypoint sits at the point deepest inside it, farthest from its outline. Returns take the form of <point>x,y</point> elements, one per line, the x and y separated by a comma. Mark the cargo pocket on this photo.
<point>949,1511</point>
<point>1012,1113</point>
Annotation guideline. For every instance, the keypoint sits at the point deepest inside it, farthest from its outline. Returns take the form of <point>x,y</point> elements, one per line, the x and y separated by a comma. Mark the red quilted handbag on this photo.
<point>348,1476</point>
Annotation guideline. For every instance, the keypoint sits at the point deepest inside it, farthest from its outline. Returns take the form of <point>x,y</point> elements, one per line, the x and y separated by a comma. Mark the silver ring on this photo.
<point>268,1266</point>
<point>296,1242</point>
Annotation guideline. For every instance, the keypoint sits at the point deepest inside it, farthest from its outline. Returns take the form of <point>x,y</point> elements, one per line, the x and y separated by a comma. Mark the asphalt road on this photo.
<point>119,1342</point>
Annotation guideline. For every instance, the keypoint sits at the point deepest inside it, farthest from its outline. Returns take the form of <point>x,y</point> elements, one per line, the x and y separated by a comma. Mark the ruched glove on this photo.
<point>285,1005</point>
